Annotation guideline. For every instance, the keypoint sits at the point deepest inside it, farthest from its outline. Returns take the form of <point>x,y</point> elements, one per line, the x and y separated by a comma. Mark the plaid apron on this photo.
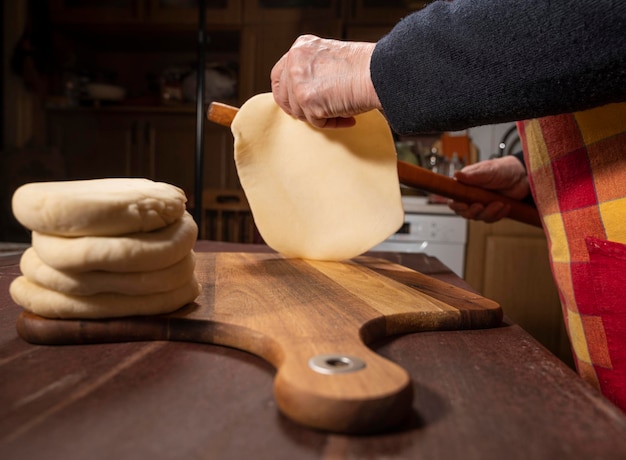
<point>577,169</point>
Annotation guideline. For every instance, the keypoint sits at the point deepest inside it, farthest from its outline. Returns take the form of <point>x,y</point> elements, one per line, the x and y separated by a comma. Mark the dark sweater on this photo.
<point>454,65</point>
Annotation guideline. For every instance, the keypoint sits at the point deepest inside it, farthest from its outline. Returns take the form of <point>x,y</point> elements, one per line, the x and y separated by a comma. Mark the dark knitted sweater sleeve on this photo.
<point>454,65</point>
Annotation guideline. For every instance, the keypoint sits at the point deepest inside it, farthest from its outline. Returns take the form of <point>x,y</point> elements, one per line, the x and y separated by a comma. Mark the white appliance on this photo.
<point>432,229</point>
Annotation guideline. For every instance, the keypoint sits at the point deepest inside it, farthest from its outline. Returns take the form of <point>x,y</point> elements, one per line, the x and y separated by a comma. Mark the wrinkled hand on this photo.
<point>506,176</point>
<point>325,82</point>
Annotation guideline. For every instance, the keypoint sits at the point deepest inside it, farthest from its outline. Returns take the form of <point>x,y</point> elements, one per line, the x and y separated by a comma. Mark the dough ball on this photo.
<point>327,194</point>
<point>52,304</point>
<point>98,207</point>
<point>136,252</point>
<point>95,282</point>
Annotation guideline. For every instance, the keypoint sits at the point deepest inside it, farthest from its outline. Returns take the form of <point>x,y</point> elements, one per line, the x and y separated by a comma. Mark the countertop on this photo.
<point>479,394</point>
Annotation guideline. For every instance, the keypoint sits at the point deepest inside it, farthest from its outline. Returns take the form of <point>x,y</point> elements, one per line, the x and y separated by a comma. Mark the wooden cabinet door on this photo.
<point>263,45</point>
<point>377,12</point>
<point>219,159</point>
<point>96,11</point>
<point>96,146</point>
<point>158,11</point>
<point>157,146</point>
<point>291,11</point>
<point>186,11</point>
<point>366,33</point>
<point>170,152</point>
<point>508,262</point>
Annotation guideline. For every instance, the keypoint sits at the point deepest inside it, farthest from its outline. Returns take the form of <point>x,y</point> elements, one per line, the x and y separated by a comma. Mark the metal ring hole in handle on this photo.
<point>335,364</point>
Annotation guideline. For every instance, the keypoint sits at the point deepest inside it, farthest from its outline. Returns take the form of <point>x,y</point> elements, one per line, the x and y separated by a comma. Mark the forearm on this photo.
<point>466,63</point>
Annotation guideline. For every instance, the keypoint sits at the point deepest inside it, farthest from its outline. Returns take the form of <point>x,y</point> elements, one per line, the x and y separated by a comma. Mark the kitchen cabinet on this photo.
<point>508,262</point>
<point>381,12</point>
<point>370,20</point>
<point>271,27</point>
<point>97,11</point>
<point>134,39</point>
<point>292,11</point>
<point>140,44</point>
<point>186,11</point>
<point>366,33</point>
<point>155,145</point>
<point>143,11</point>
<point>262,45</point>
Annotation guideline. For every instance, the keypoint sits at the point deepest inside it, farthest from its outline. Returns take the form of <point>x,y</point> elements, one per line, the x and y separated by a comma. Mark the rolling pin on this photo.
<point>420,178</point>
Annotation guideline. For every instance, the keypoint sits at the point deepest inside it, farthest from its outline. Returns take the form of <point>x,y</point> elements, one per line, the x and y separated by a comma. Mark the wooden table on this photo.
<point>480,394</point>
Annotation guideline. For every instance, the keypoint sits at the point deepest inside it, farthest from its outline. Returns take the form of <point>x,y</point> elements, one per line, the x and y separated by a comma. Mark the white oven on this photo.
<point>432,229</point>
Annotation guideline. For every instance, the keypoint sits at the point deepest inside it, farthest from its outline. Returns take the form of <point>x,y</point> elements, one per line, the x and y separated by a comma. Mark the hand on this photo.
<point>505,175</point>
<point>325,82</point>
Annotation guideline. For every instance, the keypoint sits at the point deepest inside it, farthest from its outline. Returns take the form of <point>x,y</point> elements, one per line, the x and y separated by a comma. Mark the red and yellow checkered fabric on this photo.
<point>577,169</point>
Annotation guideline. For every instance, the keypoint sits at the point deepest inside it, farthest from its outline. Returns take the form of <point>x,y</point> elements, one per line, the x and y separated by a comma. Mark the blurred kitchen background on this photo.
<point>104,88</point>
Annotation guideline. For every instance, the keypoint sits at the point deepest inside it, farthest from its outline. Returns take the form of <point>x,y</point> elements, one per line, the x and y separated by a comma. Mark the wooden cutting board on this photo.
<point>311,320</point>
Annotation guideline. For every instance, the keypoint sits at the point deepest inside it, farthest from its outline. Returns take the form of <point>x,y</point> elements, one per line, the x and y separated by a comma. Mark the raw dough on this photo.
<point>52,304</point>
<point>328,194</point>
<point>94,282</point>
<point>98,207</point>
<point>126,253</point>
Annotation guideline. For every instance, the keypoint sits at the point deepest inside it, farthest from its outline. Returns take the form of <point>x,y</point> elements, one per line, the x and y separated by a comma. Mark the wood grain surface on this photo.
<point>289,311</point>
<point>480,394</point>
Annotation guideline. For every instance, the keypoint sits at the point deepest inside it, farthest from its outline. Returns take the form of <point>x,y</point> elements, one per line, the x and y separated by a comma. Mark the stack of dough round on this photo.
<point>105,248</point>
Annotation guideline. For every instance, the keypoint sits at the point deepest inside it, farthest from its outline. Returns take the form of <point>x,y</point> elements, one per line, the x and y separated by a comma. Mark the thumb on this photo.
<point>505,175</point>
<point>478,174</point>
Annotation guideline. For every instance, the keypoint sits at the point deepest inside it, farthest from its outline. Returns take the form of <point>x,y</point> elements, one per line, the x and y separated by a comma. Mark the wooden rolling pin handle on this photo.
<point>222,114</point>
<point>415,176</point>
<point>420,178</point>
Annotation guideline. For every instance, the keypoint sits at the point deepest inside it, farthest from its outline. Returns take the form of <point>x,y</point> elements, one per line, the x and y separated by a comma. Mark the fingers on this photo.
<point>290,80</point>
<point>279,91</point>
<point>490,213</point>
<point>282,98</point>
<point>287,99</point>
<point>324,82</point>
<point>505,175</point>
<point>478,174</point>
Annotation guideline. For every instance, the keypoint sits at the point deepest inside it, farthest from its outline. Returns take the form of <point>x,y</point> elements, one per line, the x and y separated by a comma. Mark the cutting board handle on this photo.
<point>312,320</point>
<point>356,391</point>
